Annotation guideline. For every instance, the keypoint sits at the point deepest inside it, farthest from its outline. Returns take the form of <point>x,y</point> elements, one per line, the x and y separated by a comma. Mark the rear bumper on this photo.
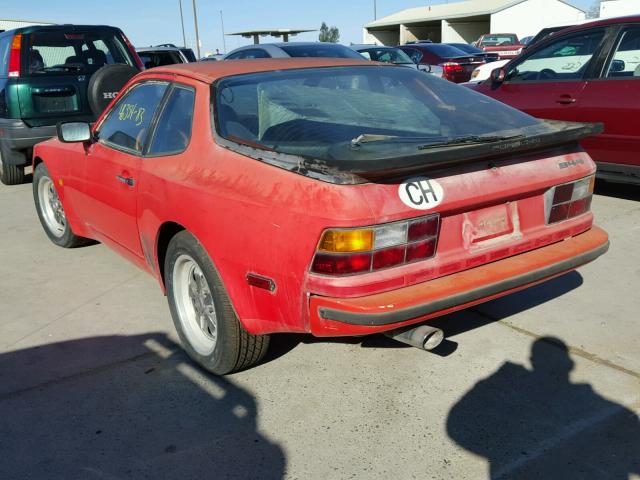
<point>416,303</point>
<point>16,136</point>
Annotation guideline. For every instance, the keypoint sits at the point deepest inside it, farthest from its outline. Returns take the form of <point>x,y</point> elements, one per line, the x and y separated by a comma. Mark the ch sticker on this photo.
<point>421,193</point>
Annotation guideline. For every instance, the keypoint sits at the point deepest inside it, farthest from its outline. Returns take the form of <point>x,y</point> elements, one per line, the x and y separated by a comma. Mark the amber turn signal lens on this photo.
<point>346,241</point>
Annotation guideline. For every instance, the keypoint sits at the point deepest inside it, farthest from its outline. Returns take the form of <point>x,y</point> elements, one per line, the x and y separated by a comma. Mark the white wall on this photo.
<point>531,16</point>
<point>381,37</point>
<point>619,8</point>
<point>463,32</point>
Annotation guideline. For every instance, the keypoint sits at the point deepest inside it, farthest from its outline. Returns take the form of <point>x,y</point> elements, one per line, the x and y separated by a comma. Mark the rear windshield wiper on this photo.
<point>369,137</point>
<point>469,140</point>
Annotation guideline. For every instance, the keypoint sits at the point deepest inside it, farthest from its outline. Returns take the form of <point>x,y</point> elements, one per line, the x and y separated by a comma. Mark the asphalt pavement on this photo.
<point>544,383</point>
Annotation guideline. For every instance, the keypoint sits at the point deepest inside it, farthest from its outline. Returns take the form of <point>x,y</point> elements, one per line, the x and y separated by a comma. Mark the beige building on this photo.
<point>466,21</point>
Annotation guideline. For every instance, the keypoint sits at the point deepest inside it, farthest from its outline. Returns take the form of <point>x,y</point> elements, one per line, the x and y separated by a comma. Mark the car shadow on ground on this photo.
<point>452,324</point>
<point>623,191</point>
<point>536,423</point>
<point>67,413</point>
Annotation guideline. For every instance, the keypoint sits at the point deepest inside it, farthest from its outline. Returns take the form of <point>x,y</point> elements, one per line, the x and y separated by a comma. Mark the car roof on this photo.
<point>604,22</point>
<point>372,46</point>
<point>40,28</point>
<point>209,72</point>
<point>158,49</point>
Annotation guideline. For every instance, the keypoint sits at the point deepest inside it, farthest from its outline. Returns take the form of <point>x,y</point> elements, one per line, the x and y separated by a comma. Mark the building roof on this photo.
<point>274,32</point>
<point>470,8</point>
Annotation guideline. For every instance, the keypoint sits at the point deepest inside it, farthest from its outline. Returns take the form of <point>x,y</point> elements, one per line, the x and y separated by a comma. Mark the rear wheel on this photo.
<point>50,211</point>
<point>202,312</point>
<point>10,174</point>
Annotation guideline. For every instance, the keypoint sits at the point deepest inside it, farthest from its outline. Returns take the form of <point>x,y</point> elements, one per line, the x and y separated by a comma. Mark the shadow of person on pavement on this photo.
<point>537,424</point>
<point>74,410</point>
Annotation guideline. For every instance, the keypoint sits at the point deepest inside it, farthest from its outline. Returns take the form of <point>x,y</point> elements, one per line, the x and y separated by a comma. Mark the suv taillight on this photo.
<point>14,56</point>
<point>360,250</point>
<point>568,200</point>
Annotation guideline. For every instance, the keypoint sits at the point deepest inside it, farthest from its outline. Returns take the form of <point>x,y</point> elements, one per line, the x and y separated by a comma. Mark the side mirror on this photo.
<point>617,66</point>
<point>498,75</point>
<point>74,132</point>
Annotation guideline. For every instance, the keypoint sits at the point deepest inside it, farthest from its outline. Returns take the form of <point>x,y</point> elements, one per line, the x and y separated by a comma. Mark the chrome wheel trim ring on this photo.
<point>194,304</point>
<point>51,207</point>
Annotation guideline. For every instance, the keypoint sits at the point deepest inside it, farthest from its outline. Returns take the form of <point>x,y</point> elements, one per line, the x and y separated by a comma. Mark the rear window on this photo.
<point>78,51</point>
<point>445,51</point>
<point>159,58</point>
<point>320,50</point>
<point>319,112</point>
<point>388,55</point>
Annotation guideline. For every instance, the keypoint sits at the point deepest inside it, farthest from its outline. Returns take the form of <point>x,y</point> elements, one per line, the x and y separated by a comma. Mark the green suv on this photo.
<point>44,77</point>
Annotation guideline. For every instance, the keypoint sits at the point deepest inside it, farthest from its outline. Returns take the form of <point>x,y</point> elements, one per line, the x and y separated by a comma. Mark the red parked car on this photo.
<point>326,196</point>
<point>506,45</point>
<point>586,73</point>
<point>457,65</point>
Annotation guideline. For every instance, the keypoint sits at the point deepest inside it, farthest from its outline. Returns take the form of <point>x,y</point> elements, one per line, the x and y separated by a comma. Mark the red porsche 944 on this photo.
<point>326,196</point>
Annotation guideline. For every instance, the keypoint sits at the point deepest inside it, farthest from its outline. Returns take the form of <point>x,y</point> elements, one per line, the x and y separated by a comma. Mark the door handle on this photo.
<point>566,100</point>
<point>126,180</point>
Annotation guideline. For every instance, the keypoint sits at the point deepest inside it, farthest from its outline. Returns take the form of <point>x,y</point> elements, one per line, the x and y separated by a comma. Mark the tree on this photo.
<point>594,11</point>
<point>331,35</point>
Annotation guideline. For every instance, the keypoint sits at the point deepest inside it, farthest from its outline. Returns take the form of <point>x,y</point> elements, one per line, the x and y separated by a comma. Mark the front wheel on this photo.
<point>202,313</point>
<point>50,211</point>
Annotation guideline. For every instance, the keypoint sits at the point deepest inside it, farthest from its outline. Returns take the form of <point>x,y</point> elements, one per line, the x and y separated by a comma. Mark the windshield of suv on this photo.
<point>326,112</point>
<point>77,51</point>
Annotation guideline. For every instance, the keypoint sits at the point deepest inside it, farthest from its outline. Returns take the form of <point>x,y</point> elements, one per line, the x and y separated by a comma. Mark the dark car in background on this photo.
<point>160,56</point>
<point>585,73</point>
<point>293,49</point>
<point>186,51</point>
<point>476,52</point>
<point>44,76</point>
<point>456,64</point>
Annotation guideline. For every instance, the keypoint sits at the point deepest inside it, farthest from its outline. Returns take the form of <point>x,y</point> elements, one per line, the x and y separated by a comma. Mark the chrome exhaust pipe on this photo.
<point>423,336</point>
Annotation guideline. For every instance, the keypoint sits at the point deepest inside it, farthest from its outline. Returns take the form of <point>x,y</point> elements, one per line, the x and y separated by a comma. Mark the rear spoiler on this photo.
<point>560,134</point>
<point>360,167</point>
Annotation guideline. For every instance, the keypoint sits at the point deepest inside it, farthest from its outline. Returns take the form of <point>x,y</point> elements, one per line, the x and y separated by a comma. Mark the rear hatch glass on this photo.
<point>369,119</point>
<point>57,65</point>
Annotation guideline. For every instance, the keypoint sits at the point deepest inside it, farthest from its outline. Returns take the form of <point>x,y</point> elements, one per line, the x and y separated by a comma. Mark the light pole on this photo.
<point>224,43</point>
<point>375,13</point>
<point>195,21</point>
<point>184,38</point>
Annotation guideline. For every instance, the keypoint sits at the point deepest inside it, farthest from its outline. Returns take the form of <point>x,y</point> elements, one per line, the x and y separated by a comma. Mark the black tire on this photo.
<point>235,349</point>
<point>105,84</point>
<point>65,237</point>
<point>11,174</point>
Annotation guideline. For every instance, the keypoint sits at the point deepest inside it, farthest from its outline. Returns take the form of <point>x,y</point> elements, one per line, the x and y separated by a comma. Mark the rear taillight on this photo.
<point>136,58</point>
<point>568,200</point>
<point>14,56</point>
<point>350,251</point>
<point>451,67</point>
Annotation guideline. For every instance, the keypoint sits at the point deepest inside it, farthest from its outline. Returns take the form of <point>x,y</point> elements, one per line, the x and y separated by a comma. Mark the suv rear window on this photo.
<point>83,52</point>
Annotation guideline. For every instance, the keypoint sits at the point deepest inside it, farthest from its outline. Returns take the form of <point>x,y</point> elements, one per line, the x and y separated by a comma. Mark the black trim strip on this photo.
<point>423,309</point>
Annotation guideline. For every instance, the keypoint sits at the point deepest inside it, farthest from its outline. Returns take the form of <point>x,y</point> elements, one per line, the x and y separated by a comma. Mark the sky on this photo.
<point>153,22</point>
